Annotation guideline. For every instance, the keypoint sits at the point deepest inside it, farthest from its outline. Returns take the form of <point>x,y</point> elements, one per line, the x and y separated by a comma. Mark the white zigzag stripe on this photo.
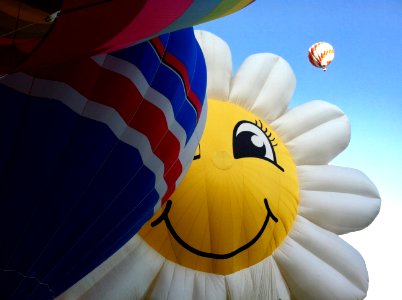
<point>90,109</point>
<point>131,72</point>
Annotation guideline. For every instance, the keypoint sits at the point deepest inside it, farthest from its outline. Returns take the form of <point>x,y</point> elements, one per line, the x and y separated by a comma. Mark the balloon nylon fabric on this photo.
<point>89,150</point>
<point>90,27</point>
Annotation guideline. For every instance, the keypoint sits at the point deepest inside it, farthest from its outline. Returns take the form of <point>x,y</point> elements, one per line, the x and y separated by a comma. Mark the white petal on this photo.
<point>219,64</point>
<point>261,281</point>
<point>177,282</point>
<point>127,274</point>
<point>314,132</point>
<point>264,84</point>
<point>317,264</point>
<point>336,198</point>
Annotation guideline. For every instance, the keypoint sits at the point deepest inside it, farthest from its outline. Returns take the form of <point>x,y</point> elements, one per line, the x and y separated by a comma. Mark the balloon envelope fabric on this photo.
<point>88,151</point>
<point>258,214</point>
<point>37,33</point>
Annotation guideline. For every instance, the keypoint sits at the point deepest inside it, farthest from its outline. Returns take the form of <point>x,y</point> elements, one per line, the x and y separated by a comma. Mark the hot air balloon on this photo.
<point>41,32</point>
<point>89,150</point>
<point>258,213</point>
<point>321,55</point>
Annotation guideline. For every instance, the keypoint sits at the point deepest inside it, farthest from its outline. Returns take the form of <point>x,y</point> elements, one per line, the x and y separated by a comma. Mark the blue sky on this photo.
<point>364,80</point>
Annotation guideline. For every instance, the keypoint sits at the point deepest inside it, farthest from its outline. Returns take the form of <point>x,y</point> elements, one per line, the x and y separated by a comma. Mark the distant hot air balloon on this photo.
<point>41,32</point>
<point>89,150</point>
<point>321,55</point>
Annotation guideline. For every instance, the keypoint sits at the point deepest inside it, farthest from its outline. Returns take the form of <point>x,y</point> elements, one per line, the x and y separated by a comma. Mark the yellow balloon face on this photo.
<point>237,202</point>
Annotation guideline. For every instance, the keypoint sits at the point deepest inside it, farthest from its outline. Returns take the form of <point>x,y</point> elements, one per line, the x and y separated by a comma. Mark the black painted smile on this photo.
<point>164,217</point>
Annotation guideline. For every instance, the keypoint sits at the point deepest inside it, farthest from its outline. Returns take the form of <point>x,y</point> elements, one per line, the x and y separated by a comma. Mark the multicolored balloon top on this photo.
<point>37,33</point>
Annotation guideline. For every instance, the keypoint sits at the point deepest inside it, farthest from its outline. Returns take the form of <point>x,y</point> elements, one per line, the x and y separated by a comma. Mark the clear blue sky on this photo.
<point>364,80</point>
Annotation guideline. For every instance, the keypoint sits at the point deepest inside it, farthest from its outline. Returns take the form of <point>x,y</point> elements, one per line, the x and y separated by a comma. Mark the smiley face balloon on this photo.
<point>238,200</point>
<point>258,213</point>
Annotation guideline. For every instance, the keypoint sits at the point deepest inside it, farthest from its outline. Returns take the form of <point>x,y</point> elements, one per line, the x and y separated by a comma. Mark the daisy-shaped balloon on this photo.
<point>259,212</point>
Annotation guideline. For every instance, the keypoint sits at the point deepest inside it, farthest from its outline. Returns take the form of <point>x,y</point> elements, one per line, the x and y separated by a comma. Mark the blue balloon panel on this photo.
<point>88,151</point>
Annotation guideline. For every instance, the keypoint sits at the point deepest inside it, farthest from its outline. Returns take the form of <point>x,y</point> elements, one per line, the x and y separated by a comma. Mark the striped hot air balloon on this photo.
<point>321,55</point>
<point>88,151</point>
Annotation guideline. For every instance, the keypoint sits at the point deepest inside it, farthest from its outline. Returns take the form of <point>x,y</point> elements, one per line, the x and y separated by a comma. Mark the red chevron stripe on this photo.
<point>114,90</point>
<point>313,59</point>
<point>175,171</point>
<point>173,62</point>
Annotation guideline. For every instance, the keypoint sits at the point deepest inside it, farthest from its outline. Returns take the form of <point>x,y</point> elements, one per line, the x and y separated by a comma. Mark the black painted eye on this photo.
<point>250,140</point>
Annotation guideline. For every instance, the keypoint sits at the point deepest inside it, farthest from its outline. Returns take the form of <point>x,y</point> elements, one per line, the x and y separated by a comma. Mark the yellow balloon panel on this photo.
<point>238,200</point>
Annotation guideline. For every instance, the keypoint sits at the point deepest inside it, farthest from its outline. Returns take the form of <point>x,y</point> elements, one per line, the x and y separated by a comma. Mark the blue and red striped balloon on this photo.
<point>89,150</point>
